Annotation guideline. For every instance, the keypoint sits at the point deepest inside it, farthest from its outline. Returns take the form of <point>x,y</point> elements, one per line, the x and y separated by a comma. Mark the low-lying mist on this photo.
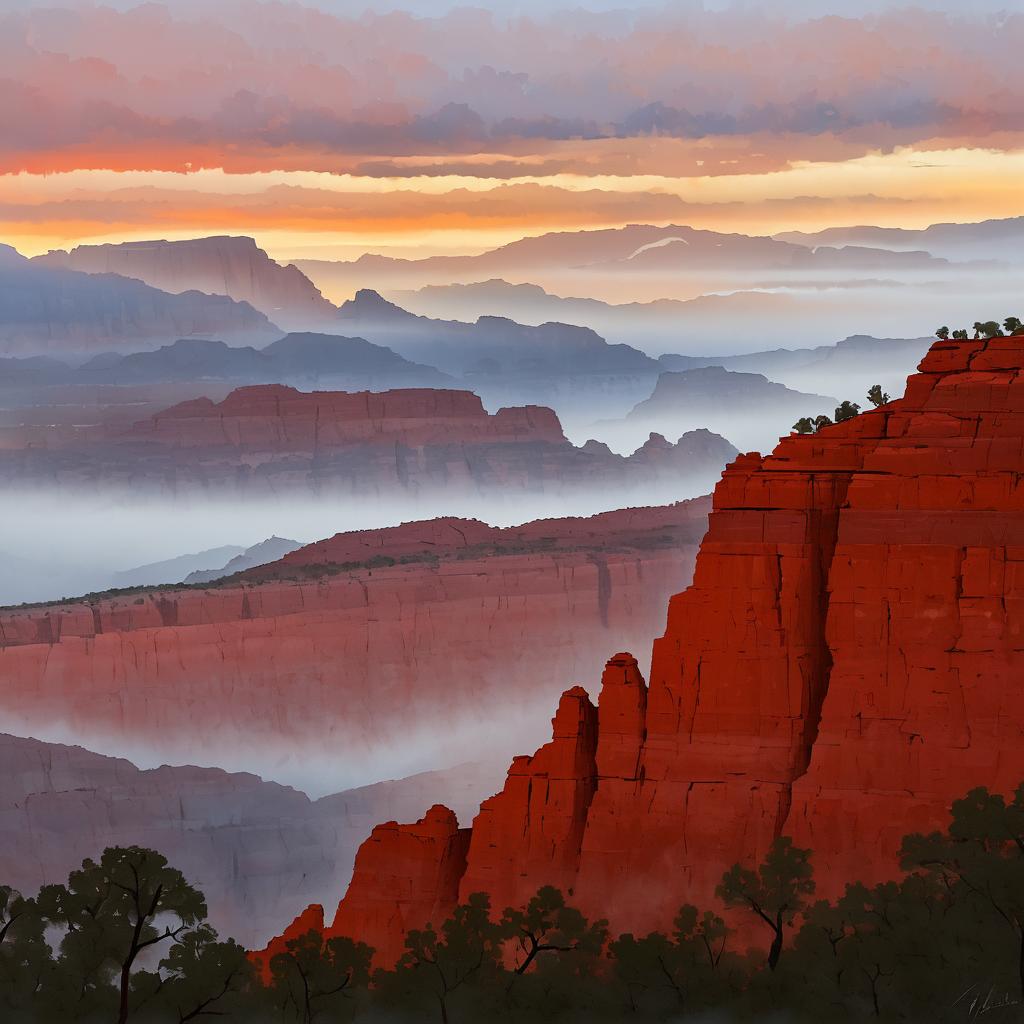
<point>60,544</point>
<point>318,769</point>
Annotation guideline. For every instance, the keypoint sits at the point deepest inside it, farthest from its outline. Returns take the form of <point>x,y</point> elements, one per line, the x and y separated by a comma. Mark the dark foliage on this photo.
<point>126,939</point>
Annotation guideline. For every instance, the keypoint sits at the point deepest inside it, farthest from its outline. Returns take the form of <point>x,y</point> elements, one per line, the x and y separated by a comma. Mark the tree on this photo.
<point>548,925</point>
<point>820,422</point>
<point>115,910</point>
<point>846,411</point>
<point>316,975</point>
<point>776,892</point>
<point>201,977</point>
<point>804,425</point>
<point>437,966</point>
<point>981,858</point>
<point>878,397</point>
<point>688,970</point>
<point>1013,325</point>
<point>942,333</point>
<point>25,956</point>
<point>891,950</point>
<point>960,335</point>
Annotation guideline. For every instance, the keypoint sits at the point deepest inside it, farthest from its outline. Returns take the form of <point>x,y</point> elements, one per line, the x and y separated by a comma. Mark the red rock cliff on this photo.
<point>847,662</point>
<point>351,651</point>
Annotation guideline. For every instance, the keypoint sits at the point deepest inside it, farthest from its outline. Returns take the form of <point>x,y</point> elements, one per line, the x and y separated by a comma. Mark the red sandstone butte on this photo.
<point>273,440</point>
<point>408,877</point>
<point>353,648</point>
<point>847,661</point>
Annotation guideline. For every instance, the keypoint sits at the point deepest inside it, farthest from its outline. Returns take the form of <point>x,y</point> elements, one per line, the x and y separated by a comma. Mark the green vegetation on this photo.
<point>846,410</point>
<point>1012,325</point>
<point>877,397</point>
<point>126,940</point>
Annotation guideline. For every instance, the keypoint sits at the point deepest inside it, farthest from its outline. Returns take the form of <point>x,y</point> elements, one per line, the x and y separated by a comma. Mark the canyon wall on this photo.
<point>363,656</point>
<point>846,663</point>
<point>256,849</point>
<point>275,440</point>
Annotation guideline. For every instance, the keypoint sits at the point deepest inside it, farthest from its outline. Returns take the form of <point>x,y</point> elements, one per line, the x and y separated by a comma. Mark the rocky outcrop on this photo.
<point>846,663</point>
<point>46,310</point>
<point>256,849</point>
<point>273,439</point>
<point>339,663</point>
<point>408,878</point>
<point>750,409</point>
<point>269,550</point>
<point>221,265</point>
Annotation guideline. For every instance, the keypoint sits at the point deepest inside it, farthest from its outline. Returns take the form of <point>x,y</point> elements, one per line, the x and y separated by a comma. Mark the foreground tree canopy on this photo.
<point>125,939</point>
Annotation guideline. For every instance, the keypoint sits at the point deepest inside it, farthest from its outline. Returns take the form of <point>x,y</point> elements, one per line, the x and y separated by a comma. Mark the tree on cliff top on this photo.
<point>115,910</point>
<point>942,333</point>
<point>878,397</point>
<point>846,411</point>
<point>776,892</point>
<point>987,329</point>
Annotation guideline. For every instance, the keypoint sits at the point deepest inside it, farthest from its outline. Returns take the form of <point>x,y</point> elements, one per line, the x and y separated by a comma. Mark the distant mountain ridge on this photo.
<point>295,358</point>
<point>634,242</point>
<point>492,344</point>
<point>988,239</point>
<point>747,321</point>
<point>223,265</point>
<point>269,550</point>
<point>45,309</point>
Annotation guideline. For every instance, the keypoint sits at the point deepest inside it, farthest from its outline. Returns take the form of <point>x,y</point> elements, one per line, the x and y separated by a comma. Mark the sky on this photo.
<point>331,128</point>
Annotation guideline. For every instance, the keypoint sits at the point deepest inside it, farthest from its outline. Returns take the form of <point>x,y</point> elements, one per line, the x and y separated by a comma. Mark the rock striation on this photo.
<point>845,663</point>
<point>333,666</point>
<point>409,443</point>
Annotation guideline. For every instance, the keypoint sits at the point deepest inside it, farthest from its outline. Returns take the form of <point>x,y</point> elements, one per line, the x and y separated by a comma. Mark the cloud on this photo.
<point>250,85</point>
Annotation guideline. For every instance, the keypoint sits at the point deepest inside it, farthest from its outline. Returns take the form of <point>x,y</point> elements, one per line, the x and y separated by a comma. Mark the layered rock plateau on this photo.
<point>274,440</point>
<point>364,656</point>
<point>847,661</point>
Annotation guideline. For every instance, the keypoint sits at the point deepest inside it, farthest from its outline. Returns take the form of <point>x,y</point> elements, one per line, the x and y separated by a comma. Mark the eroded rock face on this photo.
<point>366,653</point>
<point>272,439</point>
<point>846,663</point>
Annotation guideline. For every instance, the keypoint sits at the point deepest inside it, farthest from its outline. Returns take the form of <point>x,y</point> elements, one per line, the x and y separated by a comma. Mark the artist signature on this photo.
<point>978,1001</point>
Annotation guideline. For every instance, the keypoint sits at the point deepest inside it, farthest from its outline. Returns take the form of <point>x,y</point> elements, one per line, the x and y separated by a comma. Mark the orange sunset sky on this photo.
<point>324,132</point>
